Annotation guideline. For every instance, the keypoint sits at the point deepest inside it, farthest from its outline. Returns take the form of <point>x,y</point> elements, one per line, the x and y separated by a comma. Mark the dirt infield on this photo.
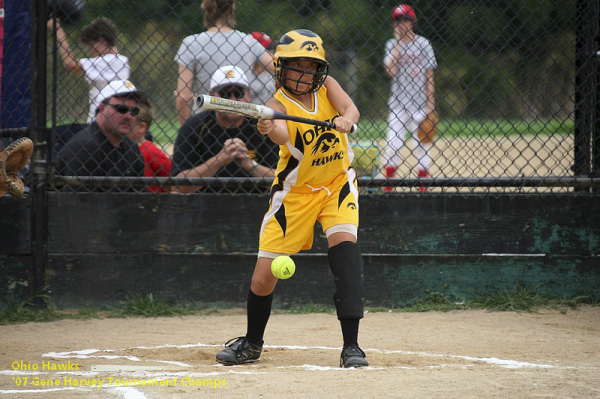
<point>462,354</point>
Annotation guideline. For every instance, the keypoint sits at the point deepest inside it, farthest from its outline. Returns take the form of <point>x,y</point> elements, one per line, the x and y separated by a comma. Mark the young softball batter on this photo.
<point>314,182</point>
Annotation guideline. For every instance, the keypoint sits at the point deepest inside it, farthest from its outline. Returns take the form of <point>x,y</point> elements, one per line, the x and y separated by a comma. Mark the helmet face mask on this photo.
<point>317,80</point>
<point>300,45</point>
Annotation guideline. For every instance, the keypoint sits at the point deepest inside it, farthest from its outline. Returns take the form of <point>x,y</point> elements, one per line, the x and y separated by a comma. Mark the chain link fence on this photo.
<point>514,85</point>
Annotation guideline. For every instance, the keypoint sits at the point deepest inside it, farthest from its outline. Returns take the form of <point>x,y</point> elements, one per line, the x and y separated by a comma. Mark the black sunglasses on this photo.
<point>236,91</point>
<point>123,109</point>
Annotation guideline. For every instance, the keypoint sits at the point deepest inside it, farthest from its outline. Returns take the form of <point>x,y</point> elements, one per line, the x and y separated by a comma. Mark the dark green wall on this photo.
<point>202,247</point>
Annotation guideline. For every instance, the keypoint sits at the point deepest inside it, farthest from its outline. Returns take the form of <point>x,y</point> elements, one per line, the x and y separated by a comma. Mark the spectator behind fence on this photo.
<point>314,183</point>
<point>262,83</point>
<point>104,65</point>
<point>200,55</point>
<point>214,143</point>
<point>157,163</point>
<point>410,61</point>
<point>103,148</point>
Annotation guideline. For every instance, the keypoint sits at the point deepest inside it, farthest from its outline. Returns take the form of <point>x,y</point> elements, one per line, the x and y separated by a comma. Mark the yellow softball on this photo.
<point>283,267</point>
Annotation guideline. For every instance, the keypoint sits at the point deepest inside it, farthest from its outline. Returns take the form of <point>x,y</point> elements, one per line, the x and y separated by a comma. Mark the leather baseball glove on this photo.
<point>12,159</point>
<point>428,128</point>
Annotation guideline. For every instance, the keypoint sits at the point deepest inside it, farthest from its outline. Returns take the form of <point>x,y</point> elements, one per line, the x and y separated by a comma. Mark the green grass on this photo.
<point>165,131</point>
<point>504,127</point>
<point>28,309</point>
<point>370,130</point>
<point>148,305</point>
<point>523,298</point>
<point>311,308</point>
<point>436,301</point>
<point>134,304</point>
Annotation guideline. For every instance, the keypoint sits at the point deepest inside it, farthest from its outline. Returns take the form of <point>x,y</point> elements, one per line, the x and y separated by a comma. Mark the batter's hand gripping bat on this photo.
<point>256,111</point>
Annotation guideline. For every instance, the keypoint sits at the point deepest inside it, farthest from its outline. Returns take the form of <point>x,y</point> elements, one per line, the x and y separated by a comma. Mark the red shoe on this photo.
<point>423,173</point>
<point>389,172</point>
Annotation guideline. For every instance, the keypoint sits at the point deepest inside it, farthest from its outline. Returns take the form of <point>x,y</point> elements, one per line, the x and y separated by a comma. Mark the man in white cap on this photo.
<point>103,148</point>
<point>220,144</point>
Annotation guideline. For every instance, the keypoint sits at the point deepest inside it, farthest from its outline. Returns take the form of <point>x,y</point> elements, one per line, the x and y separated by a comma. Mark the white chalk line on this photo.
<point>130,393</point>
<point>9,391</point>
<point>89,353</point>
<point>21,372</point>
<point>511,364</point>
<point>126,392</point>
<point>147,371</point>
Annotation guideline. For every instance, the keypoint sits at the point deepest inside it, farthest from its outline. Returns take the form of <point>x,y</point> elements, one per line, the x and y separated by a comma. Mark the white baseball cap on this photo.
<point>121,88</point>
<point>227,76</point>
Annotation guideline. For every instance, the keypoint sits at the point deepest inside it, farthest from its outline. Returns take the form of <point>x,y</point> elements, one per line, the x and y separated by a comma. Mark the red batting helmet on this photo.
<point>404,11</point>
<point>264,39</point>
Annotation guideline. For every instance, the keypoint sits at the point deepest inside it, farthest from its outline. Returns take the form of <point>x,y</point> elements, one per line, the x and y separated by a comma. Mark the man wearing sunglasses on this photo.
<point>220,144</point>
<point>103,148</point>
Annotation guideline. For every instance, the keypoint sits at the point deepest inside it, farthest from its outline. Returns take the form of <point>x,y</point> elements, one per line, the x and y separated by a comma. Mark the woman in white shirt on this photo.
<point>104,65</point>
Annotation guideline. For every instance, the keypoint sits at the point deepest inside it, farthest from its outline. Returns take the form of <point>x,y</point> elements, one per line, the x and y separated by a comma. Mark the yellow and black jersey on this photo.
<point>314,156</point>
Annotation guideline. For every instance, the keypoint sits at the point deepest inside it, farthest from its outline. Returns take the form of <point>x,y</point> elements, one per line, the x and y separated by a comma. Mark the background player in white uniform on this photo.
<point>104,65</point>
<point>410,61</point>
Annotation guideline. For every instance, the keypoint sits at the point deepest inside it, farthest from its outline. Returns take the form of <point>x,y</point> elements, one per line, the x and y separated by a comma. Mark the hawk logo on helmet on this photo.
<point>309,46</point>
<point>301,44</point>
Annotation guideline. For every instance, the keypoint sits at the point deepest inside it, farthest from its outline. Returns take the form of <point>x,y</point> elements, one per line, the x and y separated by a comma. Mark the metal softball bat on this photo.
<point>256,111</point>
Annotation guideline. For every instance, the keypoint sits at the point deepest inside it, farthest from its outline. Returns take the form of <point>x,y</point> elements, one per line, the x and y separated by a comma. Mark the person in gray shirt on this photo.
<point>200,55</point>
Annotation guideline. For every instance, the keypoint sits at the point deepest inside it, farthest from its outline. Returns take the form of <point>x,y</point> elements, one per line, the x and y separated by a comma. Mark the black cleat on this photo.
<point>238,351</point>
<point>353,356</point>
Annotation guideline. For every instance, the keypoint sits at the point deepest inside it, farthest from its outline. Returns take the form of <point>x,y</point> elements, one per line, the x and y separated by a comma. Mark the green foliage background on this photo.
<point>497,58</point>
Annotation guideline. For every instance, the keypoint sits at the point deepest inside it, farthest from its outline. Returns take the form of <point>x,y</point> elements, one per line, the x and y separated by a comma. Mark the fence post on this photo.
<point>585,84</point>
<point>39,214</point>
<point>596,122</point>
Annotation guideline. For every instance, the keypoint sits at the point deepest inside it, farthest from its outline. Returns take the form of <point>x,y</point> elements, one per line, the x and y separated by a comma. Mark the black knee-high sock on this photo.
<point>258,312</point>
<point>350,331</point>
